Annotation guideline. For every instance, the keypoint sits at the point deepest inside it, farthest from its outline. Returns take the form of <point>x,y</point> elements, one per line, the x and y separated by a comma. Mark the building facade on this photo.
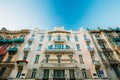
<point>10,45</point>
<point>60,54</point>
<point>107,41</point>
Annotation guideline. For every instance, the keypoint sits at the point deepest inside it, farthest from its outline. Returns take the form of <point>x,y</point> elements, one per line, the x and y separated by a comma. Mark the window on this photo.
<point>50,47</point>
<point>81,59</point>
<point>37,58</point>
<point>59,46</point>
<point>19,73</point>
<point>33,36</point>
<point>46,73</point>
<point>97,36</point>
<point>33,73</point>
<point>78,47</point>
<point>39,47</point>
<point>2,72</point>
<point>59,56</point>
<point>101,45</point>
<point>25,56</point>
<point>88,46</point>
<point>49,38</point>
<point>29,46</point>
<point>9,58</point>
<point>59,73</point>
<point>68,38</point>
<point>84,73</point>
<point>41,38</point>
<point>47,58</point>
<point>67,47</point>
<point>58,37</point>
<point>16,45</point>
<point>92,57</point>
<point>70,56</point>
<point>76,38</point>
<point>71,73</point>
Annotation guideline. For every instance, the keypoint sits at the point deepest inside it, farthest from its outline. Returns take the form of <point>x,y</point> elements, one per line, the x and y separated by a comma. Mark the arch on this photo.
<point>50,47</point>
<point>67,47</point>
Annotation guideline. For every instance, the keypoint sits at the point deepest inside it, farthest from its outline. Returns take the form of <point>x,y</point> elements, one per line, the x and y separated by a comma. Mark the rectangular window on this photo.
<point>29,46</point>
<point>101,45</point>
<point>78,47</point>
<point>88,46</point>
<point>46,73</point>
<point>25,56</point>
<point>76,38</point>
<point>9,58</point>
<point>41,38</point>
<point>92,57</point>
<point>33,36</point>
<point>37,58</point>
<point>97,36</point>
<point>71,73</point>
<point>19,73</point>
<point>59,73</point>
<point>81,59</point>
<point>47,58</point>
<point>84,73</point>
<point>49,38</point>
<point>39,47</point>
<point>70,56</point>
<point>59,56</point>
<point>59,38</point>
<point>68,38</point>
<point>2,72</point>
<point>33,73</point>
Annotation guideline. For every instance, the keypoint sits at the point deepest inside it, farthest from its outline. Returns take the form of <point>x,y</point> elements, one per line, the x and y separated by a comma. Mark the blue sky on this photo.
<point>46,14</point>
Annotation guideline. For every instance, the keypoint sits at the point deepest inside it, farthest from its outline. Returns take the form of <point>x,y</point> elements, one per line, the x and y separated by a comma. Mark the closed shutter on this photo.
<point>28,73</point>
<point>89,74</point>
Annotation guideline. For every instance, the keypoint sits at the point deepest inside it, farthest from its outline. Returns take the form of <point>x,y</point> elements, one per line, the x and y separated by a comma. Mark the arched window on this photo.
<point>67,47</point>
<point>50,47</point>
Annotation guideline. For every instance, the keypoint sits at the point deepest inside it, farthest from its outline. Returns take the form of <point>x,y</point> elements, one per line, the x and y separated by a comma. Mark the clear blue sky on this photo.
<point>72,14</point>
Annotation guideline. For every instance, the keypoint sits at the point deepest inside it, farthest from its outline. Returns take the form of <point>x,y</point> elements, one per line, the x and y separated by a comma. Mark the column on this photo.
<point>67,76</point>
<point>51,74</point>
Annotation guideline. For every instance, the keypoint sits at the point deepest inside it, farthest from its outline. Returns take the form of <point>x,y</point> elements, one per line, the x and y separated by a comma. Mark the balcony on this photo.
<point>106,50</point>
<point>91,50</point>
<point>96,63</point>
<point>21,62</point>
<point>59,41</point>
<point>13,50</point>
<point>4,63</point>
<point>30,40</point>
<point>87,40</point>
<point>26,50</point>
<point>70,51</point>
<point>64,65</point>
<point>114,62</point>
<point>100,40</point>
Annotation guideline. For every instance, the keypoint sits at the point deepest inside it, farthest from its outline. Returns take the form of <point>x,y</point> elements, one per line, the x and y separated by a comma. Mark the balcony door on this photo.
<point>59,75</point>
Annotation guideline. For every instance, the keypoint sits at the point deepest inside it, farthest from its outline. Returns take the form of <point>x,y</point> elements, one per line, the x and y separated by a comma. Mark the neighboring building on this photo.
<point>107,41</point>
<point>10,45</point>
<point>59,55</point>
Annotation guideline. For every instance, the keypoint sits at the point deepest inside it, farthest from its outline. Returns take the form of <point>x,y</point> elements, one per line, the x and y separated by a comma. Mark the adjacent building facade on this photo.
<point>62,54</point>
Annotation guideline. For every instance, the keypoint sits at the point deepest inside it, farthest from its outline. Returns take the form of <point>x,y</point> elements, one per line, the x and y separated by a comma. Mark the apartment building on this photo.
<point>107,42</point>
<point>59,54</point>
<point>10,45</point>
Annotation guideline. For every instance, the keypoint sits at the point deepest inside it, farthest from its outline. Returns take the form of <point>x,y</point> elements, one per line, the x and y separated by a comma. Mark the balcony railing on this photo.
<point>21,62</point>
<point>97,63</point>
<point>106,50</point>
<point>26,50</point>
<point>59,50</point>
<point>7,63</point>
<point>114,62</point>
<point>58,65</point>
<point>59,41</point>
<point>101,40</point>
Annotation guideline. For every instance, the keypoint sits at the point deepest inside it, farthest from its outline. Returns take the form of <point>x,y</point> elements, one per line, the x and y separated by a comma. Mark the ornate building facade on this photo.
<point>61,54</point>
